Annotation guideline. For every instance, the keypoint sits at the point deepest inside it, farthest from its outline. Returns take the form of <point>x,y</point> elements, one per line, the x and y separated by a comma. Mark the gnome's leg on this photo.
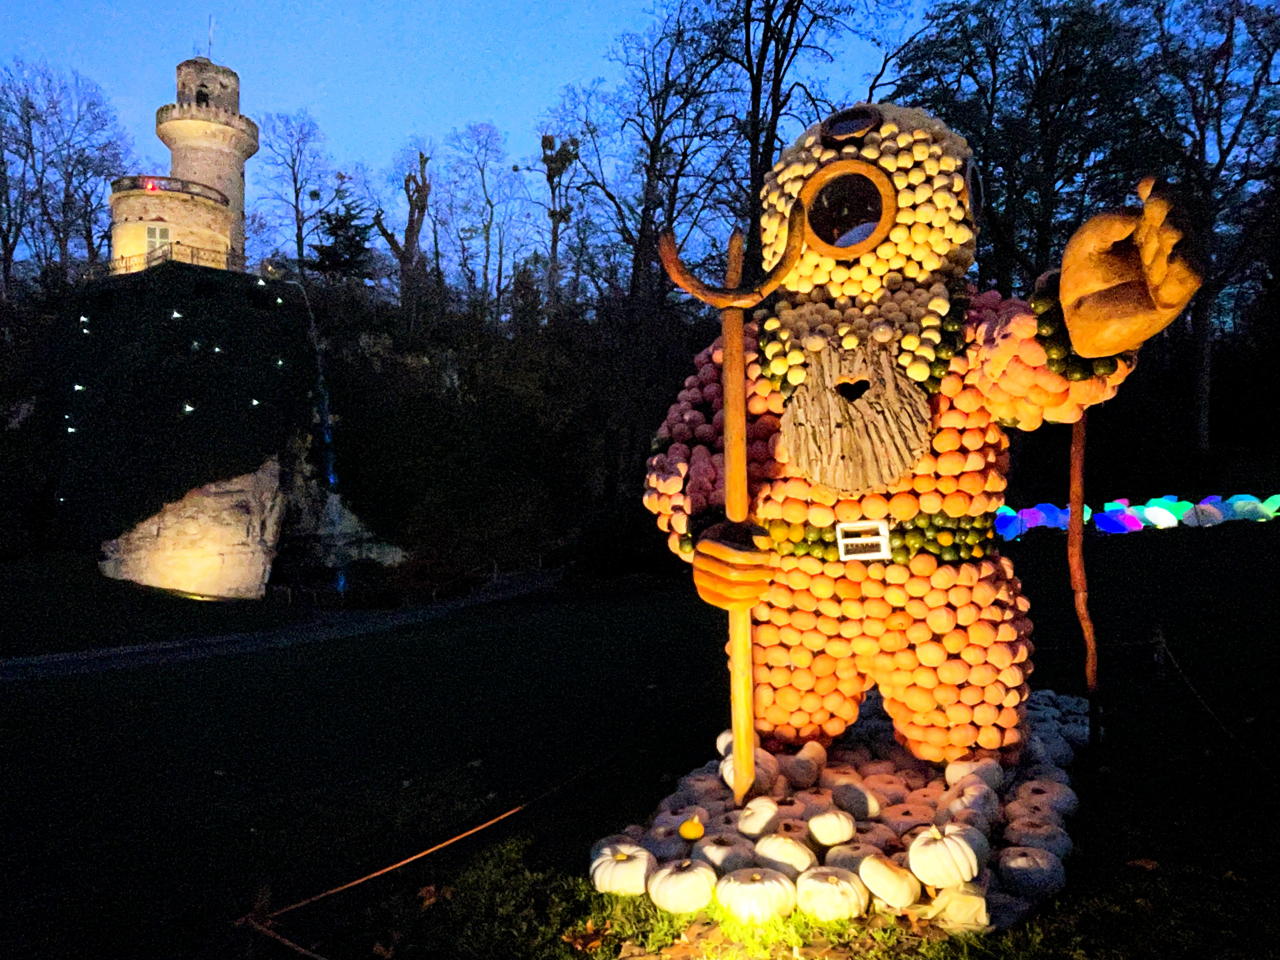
<point>953,660</point>
<point>807,686</point>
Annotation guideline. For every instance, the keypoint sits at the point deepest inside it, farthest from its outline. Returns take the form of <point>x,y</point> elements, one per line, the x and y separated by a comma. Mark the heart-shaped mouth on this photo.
<point>851,389</point>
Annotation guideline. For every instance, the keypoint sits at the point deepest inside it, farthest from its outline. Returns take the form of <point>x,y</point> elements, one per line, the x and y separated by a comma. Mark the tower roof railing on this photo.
<point>176,252</point>
<point>169,185</point>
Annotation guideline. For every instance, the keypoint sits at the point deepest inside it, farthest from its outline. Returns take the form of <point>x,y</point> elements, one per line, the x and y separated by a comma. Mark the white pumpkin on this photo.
<point>970,818</point>
<point>784,854</point>
<point>901,817</point>
<point>622,868</point>
<point>795,829</point>
<point>876,834</point>
<point>909,837</point>
<point>856,799</point>
<point>766,771</point>
<point>1075,733</point>
<point>789,808</point>
<point>849,855</point>
<point>1030,871</point>
<point>838,774</point>
<point>1038,833</point>
<point>682,886</point>
<point>971,793</point>
<point>874,768</point>
<point>888,787</point>
<point>724,821</point>
<point>987,769</point>
<point>947,857</point>
<point>961,909</point>
<point>913,778</point>
<point>675,815</point>
<point>814,800</point>
<point>832,827</point>
<point>1052,748</point>
<point>603,842</point>
<point>1058,796</point>
<point>814,751</point>
<point>799,772</point>
<point>895,885</point>
<point>665,843</point>
<point>929,794</point>
<point>725,851</point>
<point>830,893</point>
<point>1046,771</point>
<point>756,894</point>
<point>724,742</point>
<point>853,756</point>
<point>699,787</point>
<point>1031,810</point>
<point>758,817</point>
<point>1070,704</point>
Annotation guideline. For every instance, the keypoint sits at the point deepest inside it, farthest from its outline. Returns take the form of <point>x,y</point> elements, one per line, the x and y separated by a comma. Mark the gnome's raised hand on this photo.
<point>1124,278</point>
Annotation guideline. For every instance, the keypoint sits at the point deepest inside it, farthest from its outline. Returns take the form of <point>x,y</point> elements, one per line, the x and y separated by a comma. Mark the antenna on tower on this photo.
<point>209,54</point>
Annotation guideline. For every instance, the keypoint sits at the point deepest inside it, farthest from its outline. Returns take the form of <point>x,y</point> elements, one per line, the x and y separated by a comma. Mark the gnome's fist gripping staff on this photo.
<point>878,388</point>
<point>731,565</point>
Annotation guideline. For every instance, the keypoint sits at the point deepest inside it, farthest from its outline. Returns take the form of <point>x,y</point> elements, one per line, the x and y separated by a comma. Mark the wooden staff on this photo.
<point>733,379</point>
<point>1075,555</point>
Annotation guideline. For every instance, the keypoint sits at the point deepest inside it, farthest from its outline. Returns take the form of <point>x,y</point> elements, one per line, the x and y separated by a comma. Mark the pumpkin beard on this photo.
<point>858,423</point>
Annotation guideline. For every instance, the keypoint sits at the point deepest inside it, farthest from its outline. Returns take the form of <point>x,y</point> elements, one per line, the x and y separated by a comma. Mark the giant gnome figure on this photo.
<point>879,391</point>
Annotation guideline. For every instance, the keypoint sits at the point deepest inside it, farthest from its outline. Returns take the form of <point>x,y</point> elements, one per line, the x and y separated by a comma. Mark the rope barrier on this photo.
<point>1163,648</point>
<point>253,924</point>
<point>395,866</point>
<point>262,923</point>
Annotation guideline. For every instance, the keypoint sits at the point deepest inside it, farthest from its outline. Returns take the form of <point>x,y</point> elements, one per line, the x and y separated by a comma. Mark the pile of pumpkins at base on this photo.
<point>862,828</point>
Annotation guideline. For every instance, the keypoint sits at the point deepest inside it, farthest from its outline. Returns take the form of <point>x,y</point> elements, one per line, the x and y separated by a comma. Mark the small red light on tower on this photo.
<point>151,184</point>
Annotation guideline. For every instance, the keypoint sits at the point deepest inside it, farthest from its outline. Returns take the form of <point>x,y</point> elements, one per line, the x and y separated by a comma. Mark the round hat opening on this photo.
<point>846,211</point>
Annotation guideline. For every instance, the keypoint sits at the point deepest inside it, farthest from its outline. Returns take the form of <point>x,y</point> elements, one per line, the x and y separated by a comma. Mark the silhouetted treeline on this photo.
<point>501,340</point>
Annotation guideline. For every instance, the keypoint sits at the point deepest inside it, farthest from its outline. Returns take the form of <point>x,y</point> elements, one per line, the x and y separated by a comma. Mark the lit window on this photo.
<point>157,237</point>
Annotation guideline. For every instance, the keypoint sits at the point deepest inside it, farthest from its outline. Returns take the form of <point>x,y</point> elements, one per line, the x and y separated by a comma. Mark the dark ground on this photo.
<point>154,806</point>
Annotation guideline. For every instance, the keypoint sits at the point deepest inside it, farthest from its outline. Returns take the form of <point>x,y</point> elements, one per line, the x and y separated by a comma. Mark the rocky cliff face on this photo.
<point>217,541</point>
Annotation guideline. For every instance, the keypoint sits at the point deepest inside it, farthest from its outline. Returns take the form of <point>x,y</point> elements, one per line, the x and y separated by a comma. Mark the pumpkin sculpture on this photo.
<point>879,391</point>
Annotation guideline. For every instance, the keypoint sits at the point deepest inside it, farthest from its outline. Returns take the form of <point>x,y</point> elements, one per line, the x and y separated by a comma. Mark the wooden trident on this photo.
<point>737,504</point>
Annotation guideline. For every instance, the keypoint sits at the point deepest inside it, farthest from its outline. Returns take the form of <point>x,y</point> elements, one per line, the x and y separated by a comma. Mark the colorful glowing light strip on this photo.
<point>1122,516</point>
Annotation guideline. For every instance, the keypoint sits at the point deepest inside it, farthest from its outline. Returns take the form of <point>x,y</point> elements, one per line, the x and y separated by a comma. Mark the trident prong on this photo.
<point>721,298</point>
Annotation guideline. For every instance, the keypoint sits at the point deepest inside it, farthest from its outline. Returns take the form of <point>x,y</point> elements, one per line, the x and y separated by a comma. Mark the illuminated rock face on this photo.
<point>217,541</point>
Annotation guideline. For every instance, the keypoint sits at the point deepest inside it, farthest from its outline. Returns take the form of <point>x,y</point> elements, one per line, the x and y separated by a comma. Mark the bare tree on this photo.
<point>652,150</point>
<point>407,248</point>
<point>559,161</point>
<point>16,181</point>
<point>1059,113</point>
<point>301,181</point>
<point>766,44</point>
<point>481,191</point>
<point>1218,61</point>
<point>62,144</point>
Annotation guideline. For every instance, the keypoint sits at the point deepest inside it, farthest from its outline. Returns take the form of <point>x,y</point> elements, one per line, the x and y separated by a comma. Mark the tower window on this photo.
<point>157,237</point>
<point>202,97</point>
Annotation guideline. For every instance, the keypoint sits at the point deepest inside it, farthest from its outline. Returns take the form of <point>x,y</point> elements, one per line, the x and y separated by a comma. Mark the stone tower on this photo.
<point>196,214</point>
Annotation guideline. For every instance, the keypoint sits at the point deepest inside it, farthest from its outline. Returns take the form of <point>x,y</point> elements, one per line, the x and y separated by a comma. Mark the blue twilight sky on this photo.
<point>372,74</point>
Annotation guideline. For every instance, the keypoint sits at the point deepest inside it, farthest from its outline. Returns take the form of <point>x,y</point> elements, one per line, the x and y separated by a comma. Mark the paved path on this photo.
<point>327,625</point>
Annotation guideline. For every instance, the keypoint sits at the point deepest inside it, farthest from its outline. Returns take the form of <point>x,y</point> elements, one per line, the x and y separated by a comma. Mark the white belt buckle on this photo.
<point>854,543</point>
